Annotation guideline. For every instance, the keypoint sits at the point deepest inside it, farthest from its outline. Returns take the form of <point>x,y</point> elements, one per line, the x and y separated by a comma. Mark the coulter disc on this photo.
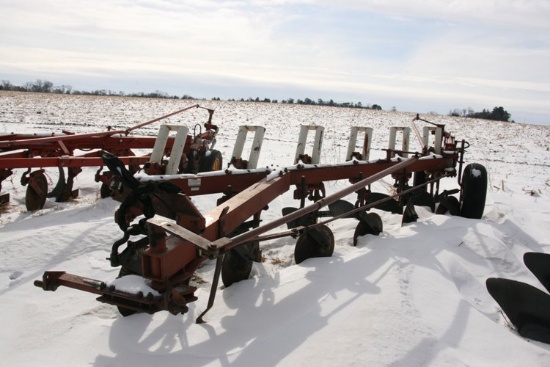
<point>237,263</point>
<point>315,242</point>
<point>370,223</point>
<point>37,190</point>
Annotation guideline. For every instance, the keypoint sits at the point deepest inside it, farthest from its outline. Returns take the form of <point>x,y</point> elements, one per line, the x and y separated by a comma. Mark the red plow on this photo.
<point>71,152</point>
<point>165,237</point>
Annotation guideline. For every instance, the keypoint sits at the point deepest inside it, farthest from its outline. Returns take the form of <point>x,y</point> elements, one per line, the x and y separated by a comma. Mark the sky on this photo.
<point>417,56</point>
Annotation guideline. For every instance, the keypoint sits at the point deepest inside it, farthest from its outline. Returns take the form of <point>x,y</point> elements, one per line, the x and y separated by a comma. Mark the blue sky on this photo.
<point>417,56</point>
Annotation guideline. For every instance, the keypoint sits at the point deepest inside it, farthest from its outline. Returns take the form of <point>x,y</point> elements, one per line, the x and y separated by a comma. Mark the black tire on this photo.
<point>474,191</point>
<point>212,161</point>
<point>35,200</point>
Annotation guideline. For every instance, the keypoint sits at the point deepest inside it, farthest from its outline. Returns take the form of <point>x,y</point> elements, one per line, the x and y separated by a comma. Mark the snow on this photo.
<point>133,284</point>
<point>413,296</point>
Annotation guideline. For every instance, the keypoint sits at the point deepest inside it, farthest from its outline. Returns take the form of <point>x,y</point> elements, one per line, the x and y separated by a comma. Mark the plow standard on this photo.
<point>165,237</point>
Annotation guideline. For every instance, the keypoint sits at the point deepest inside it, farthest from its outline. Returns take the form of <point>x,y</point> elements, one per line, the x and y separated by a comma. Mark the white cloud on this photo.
<point>454,50</point>
<point>530,13</point>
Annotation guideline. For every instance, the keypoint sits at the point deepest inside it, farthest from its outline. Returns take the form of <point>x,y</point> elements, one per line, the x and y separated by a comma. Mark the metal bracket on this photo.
<point>256,144</point>
<point>438,131</point>
<point>365,152</point>
<point>405,143</point>
<point>317,143</point>
<point>177,148</point>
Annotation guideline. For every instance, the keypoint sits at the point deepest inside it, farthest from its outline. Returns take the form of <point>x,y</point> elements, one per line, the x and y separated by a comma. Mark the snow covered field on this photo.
<point>413,296</point>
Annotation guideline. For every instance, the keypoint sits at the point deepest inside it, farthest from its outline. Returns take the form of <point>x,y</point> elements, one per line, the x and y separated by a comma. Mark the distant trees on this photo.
<point>497,114</point>
<point>40,86</point>
<point>63,89</point>
<point>309,101</point>
<point>6,85</point>
<point>45,86</point>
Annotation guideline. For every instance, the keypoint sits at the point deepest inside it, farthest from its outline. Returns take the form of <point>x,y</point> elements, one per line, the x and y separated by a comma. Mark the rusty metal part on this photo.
<point>4,173</point>
<point>179,238</point>
<point>323,202</point>
<point>50,150</point>
<point>164,260</point>
<point>369,223</point>
<point>23,141</point>
<point>4,196</point>
<point>174,300</point>
<point>349,213</point>
<point>37,190</point>
<point>315,242</point>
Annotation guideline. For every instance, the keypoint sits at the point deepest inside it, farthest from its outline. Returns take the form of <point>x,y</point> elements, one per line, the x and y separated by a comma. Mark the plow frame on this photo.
<point>176,238</point>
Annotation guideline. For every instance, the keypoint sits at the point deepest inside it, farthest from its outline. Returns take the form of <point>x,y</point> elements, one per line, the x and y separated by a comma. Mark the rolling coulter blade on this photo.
<point>314,242</point>
<point>37,190</point>
<point>237,263</point>
<point>369,223</point>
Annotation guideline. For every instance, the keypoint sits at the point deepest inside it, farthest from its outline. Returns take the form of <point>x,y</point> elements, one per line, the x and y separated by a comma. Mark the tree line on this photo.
<point>497,114</point>
<point>45,86</point>
<point>309,101</point>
